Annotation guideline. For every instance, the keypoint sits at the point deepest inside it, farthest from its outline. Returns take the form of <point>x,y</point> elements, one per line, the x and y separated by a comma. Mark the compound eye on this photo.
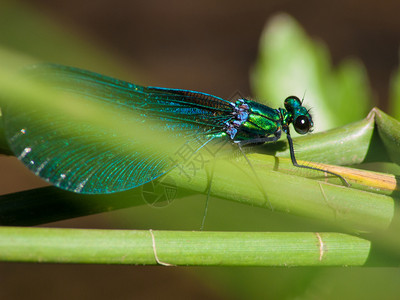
<point>302,124</point>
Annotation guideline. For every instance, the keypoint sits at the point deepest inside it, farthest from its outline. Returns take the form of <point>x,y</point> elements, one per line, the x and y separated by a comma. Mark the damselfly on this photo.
<point>86,162</point>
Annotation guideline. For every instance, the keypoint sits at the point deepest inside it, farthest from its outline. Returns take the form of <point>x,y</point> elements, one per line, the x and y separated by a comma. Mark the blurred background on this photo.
<point>209,46</point>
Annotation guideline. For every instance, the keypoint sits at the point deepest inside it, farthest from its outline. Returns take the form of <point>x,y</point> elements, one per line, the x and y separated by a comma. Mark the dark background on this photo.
<point>208,46</point>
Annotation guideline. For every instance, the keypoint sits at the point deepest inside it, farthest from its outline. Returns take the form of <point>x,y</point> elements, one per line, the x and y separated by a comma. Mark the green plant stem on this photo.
<point>343,206</point>
<point>181,247</point>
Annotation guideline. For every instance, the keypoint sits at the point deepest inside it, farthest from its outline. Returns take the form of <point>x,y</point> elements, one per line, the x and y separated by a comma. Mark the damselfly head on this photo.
<point>302,121</point>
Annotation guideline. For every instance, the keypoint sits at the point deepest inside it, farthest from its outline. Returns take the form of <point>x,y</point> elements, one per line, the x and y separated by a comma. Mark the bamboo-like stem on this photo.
<point>181,247</point>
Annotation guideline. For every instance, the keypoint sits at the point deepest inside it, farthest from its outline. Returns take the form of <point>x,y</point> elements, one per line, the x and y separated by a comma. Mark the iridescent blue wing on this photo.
<point>86,160</point>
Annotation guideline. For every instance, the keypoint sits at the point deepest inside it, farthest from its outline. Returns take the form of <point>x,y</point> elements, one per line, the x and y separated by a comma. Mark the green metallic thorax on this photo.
<point>262,121</point>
